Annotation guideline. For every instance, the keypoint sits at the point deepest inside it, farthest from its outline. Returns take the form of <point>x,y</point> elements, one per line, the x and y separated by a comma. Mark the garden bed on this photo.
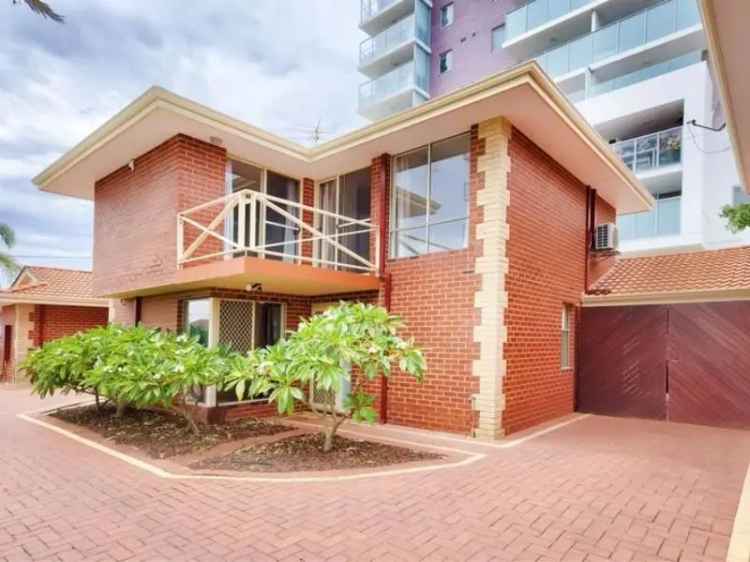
<point>303,453</point>
<point>163,434</point>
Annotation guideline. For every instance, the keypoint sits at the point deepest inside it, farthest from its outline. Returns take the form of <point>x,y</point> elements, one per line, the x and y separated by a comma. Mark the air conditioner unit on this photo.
<point>605,237</point>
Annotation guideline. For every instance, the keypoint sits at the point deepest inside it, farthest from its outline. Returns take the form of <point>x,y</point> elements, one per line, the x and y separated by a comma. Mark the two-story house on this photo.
<point>470,216</point>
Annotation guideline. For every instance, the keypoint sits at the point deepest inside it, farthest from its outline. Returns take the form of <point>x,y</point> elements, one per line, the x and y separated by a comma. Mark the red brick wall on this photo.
<point>308,198</point>
<point>135,232</point>
<point>599,264</point>
<point>52,322</point>
<point>546,251</point>
<point>7,318</point>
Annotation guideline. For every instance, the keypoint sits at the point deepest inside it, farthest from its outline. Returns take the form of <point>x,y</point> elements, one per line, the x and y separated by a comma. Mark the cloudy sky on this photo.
<point>279,64</point>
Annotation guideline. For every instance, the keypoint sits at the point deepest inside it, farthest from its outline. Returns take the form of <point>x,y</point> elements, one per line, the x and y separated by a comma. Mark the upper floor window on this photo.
<point>498,37</point>
<point>430,198</point>
<point>446,61</point>
<point>446,15</point>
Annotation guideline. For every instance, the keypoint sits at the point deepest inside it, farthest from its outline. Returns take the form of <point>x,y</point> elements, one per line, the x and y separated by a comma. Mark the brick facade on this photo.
<point>135,223</point>
<point>488,317</point>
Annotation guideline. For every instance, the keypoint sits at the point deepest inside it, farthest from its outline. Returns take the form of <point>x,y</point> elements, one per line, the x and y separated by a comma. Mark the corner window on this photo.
<point>446,61</point>
<point>567,313</point>
<point>430,198</point>
<point>498,37</point>
<point>446,15</point>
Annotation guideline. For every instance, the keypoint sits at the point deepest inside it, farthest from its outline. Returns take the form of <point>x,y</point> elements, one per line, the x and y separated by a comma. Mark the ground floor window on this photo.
<point>567,313</point>
<point>237,324</point>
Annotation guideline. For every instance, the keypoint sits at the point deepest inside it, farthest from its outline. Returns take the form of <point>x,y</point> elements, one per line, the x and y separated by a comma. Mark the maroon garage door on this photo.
<point>686,363</point>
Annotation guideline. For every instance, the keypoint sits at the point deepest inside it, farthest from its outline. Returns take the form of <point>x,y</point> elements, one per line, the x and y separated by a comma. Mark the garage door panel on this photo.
<point>709,374</point>
<point>623,371</point>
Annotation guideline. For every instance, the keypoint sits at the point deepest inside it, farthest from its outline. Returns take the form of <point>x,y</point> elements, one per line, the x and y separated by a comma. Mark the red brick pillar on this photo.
<point>308,198</point>
<point>38,318</point>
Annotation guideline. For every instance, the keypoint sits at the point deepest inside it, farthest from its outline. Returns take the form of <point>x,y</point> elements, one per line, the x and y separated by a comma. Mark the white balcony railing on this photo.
<point>635,31</point>
<point>202,232</point>
<point>653,151</point>
<point>397,34</point>
<point>662,220</point>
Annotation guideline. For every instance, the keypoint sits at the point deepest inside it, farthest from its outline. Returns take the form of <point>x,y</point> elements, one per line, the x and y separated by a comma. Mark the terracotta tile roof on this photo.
<point>53,282</point>
<point>711,270</point>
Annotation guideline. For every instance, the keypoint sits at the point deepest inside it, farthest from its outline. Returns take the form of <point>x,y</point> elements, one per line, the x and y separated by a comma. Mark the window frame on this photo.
<point>566,362</point>
<point>448,59</point>
<point>393,230</point>
<point>499,47</point>
<point>449,8</point>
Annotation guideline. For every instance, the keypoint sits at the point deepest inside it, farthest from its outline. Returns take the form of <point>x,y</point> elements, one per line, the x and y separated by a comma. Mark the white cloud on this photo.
<point>279,64</point>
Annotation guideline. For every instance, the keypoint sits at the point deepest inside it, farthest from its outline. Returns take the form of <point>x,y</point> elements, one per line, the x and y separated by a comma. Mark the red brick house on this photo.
<point>471,216</point>
<point>43,304</point>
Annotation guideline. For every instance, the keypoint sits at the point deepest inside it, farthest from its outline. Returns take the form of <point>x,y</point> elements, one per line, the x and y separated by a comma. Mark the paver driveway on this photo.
<point>600,488</point>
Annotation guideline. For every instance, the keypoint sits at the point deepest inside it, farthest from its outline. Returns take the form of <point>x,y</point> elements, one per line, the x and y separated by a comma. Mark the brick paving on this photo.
<point>598,489</point>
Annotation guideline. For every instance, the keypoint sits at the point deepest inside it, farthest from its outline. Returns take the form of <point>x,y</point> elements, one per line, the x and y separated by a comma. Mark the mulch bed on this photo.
<point>305,453</point>
<point>163,434</point>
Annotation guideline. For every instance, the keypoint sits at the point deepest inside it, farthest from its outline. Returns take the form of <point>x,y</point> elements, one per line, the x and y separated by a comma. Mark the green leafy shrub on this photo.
<point>738,216</point>
<point>321,354</point>
<point>138,366</point>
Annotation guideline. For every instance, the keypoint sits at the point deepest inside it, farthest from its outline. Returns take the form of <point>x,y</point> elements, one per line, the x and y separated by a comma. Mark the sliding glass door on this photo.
<point>280,230</point>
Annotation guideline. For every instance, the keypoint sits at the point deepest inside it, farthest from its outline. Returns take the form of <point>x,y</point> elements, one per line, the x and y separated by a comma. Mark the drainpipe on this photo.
<point>590,227</point>
<point>383,378</point>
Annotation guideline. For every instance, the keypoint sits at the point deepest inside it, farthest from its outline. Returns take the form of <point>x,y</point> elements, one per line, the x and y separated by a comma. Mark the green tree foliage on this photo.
<point>8,239</point>
<point>321,354</point>
<point>738,216</point>
<point>41,8</point>
<point>138,366</point>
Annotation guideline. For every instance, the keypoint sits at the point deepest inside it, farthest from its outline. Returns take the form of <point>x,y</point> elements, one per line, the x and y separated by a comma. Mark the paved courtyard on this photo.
<point>597,489</point>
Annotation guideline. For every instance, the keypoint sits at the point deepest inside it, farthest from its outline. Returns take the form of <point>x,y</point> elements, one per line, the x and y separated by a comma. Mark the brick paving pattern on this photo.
<point>598,489</point>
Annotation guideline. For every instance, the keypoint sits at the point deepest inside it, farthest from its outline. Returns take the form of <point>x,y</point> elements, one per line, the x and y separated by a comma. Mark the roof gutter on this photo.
<point>666,297</point>
<point>19,298</point>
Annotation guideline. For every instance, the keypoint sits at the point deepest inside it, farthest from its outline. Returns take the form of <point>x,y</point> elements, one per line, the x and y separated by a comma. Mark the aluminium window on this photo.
<point>740,196</point>
<point>565,341</point>
<point>430,198</point>
<point>447,15</point>
<point>498,37</point>
<point>446,61</point>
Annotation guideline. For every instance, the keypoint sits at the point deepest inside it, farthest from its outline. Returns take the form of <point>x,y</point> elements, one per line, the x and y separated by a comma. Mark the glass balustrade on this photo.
<point>653,151</point>
<point>371,8</point>
<point>635,31</point>
<point>537,13</point>
<point>415,26</point>
<point>414,73</point>
<point>662,220</point>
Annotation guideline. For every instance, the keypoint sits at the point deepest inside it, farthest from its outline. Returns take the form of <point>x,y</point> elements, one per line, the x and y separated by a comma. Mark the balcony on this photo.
<point>644,32</point>
<point>397,90</point>
<point>249,239</point>
<point>651,152</point>
<point>377,15</point>
<point>662,220</point>
<point>394,46</point>
<point>538,13</point>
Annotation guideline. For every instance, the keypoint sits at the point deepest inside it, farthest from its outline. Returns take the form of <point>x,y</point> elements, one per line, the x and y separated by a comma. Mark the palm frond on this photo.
<point>7,235</point>
<point>43,9</point>
<point>8,265</point>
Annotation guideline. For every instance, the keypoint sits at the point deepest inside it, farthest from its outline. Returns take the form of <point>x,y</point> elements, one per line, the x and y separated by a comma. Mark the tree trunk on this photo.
<point>98,404</point>
<point>121,407</point>
<point>328,432</point>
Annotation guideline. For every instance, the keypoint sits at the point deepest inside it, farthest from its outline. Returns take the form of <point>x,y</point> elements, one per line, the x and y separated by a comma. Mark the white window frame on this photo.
<point>449,11</point>
<point>448,59</point>
<point>566,363</point>
<point>392,230</point>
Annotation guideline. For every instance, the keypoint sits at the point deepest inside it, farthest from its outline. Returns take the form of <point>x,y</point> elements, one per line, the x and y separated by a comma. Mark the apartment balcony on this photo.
<point>663,221</point>
<point>656,158</point>
<point>253,241</point>
<point>397,90</point>
<point>662,32</point>
<point>378,15</point>
<point>395,46</point>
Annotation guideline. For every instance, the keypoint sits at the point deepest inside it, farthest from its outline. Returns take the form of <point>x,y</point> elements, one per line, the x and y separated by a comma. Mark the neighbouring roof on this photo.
<point>706,271</point>
<point>524,95</point>
<point>36,284</point>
